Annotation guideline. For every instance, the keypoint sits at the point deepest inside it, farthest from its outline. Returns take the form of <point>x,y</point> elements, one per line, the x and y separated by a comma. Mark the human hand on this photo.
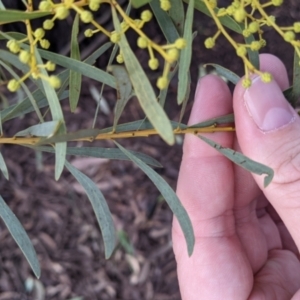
<point>246,236</point>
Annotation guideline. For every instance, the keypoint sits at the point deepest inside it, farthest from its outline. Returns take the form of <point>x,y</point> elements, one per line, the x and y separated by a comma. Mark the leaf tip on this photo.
<point>37,273</point>
<point>191,248</point>
<point>169,138</point>
<point>268,178</point>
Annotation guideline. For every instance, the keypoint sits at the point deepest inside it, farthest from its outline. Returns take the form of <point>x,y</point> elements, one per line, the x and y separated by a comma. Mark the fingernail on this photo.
<point>267,106</point>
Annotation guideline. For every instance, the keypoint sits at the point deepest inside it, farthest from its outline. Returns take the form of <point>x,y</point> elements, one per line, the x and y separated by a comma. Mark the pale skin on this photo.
<point>246,236</point>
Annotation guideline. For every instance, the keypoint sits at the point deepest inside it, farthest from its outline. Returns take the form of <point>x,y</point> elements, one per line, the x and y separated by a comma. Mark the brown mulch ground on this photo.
<point>59,218</point>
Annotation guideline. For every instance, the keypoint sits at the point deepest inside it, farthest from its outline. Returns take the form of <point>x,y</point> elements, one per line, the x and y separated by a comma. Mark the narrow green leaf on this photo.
<point>164,21</point>
<point>44,129</point>
<point>20,236</point>
<point>185,54</point>
<point>111,58</point>
<point>243,161</point>
<point>143,89</point>
<point>95,55</point>
<point>227,119</point>
<point>171,198</point>
<point>80,67</point>
<point>177,15</point>
<point>75,77</point>
<point>3,167</point>
<point>296,79</point>
<point>25,106</point>
<point>229,75</point>
<point>139,3</point>
<point>10,15</point>
<point>12,35</point>
<point>88,134</point>
<point>124,90</point>
<point>136,125</point>
<point>100,208</point>
<point>110,153</point>
<point>186,98</point>
<point>57,115</point>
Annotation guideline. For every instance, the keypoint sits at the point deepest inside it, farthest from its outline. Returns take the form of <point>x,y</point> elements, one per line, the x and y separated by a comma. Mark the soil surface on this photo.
<point>58,216</point>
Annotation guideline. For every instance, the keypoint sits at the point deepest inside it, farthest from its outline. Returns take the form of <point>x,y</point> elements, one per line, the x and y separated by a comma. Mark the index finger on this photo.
<point>206,189</point>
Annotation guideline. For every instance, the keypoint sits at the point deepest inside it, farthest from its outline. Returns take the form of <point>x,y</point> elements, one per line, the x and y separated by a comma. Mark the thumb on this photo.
<point>268,131</point>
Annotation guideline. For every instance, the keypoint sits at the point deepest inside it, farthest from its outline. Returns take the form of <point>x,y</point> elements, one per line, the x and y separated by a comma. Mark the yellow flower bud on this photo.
<point>115,37</point>
<point>162,83</point>
<point>146,15</point>
<point>142,42</point>
<point>45,5</point>
<point>255,46</point>
<point>153,63</point>
<point>86,16</point>
<point>222,12</point>
<point>297,27</point>
<point>165,5</point>
<point>54,81</point>
<point>240,14</point>
<point>61,12</point>
<point>212,3</point>
<point>263,43</point>
<point>94,5</point>
<point>266,77</point>
<point>173,54</point>
<point>277,2</point>
<point>236,3</point>
<point>253,27</point>
<point>289,36</point>
<point>230,10</point>
<point>13,85</point>
<point>246,83</point>
<point>209,43</point>
<point>120,58</point>
<point>50,66</point>
<point>45,44</point>
<point>124,26</point>
<point>241,51</point>
<point>39,33</point>
<point>13,46</point>
<point>246,32</point>
<point>48,24</point>
<point>180,43</point>
<point>24,56</point>
<point>88,33</point>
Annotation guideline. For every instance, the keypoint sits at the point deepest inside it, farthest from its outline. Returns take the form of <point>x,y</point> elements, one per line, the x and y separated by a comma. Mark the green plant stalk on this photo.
<point>118,135</point>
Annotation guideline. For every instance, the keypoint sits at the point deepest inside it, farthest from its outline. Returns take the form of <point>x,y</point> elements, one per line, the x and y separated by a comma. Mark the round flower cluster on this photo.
<point>252,16</point>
